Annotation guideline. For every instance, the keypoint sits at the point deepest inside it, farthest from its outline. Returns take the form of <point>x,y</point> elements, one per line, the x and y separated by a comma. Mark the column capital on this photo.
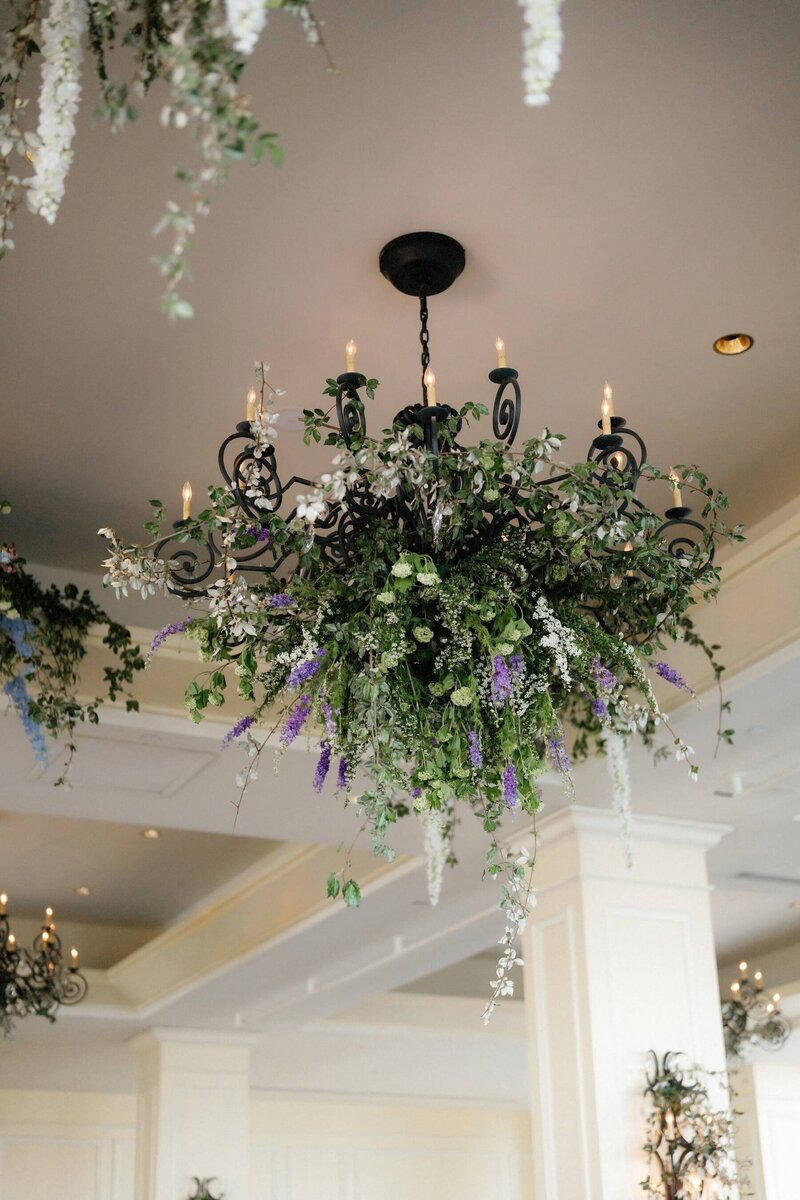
<point>581,818</point>
<point>161,1035</point>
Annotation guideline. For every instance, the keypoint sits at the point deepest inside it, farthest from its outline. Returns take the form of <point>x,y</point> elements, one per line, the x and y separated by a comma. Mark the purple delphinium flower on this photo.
<point>510,786</point>
<point>517,664</point>
<point>260,534</point>
<point>501,681</point>
<point>475,752</point>
<point>281,600</point>
<point>672,676</point>
<point>416,793</point>
<point>341,778</point>
<point>296,720</point>
<point>558,753</point>
<point>323,766</point>
<point>606,679</point>
<point>600,709</point>
<point>238,729</point>
<point>17,691</point>
<point>330,728</point>
<point>305,670</point>
<point>168,631</point>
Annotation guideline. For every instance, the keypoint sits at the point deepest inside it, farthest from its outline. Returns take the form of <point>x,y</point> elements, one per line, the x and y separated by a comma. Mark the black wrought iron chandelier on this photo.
<point>420,265</point>
<point>37,982</point>
<point>751,1018</point>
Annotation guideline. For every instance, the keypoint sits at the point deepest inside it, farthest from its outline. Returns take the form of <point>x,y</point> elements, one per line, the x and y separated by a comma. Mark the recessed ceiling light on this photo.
<point>150,834</point>
<point>83,890</point>
<point>733,343</point>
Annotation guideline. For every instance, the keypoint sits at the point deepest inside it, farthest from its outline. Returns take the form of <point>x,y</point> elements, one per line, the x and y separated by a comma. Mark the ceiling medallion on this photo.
<point>35,983</point>
<point>443,613</point>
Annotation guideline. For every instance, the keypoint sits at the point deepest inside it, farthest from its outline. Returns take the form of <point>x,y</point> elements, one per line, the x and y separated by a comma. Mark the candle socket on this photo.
<point>503,374</point>
<point>607,441</point>
<point>678,514</point>
<point>351,379</point>
<point>615,422</point>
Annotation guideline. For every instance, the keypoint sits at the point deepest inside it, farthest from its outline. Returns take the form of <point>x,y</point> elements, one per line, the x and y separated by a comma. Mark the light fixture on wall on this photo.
<point>419,265</point>
<point>749,1017</point>
<point>37,982</point>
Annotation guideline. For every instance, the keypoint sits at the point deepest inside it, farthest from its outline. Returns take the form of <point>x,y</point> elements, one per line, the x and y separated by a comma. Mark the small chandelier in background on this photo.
<point>37,982</point>
<point>751,1018</point>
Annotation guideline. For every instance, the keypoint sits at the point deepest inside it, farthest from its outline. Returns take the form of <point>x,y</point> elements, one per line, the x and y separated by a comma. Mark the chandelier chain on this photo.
<point>424,337</point>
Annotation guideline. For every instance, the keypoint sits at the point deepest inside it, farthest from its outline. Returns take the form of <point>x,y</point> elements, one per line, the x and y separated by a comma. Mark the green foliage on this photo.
<point>43,639</point>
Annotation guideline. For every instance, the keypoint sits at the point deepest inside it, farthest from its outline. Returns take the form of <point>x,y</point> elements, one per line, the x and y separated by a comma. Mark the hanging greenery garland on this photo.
<point>43,637</point>
<point>200,50</point>
<point>446,654</point>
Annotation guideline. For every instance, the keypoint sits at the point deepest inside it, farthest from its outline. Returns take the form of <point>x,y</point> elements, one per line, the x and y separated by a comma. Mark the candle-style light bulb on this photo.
<point>500,347</point>
<point>677,502</point>
<point>734,987</point>
<point>252,401</point>
<point>12,941</point>
<point>608,396</point>
<point>605,413</point>
<point>777,997</point>
<point>758,977</point>
<point>429,379</point>
<point>45,936</point>
<point>48,912</point>
<point>74,956</point>
<point>742,965</point>
<point>186,494</point>
<point>3,902</point>
<point>350,355</point>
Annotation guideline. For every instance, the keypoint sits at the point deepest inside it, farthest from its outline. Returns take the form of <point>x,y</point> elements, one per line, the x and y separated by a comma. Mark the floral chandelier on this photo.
<point>35,983</point>
<point>751,1018</point>
<point>442,615</point>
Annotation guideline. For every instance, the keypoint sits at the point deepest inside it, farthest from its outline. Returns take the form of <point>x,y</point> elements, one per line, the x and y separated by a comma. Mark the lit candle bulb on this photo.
<point>742,965</point>
<point>777,997</point>
<point>3,902</point>
<point>677,502</point>
<point>670,1125</point>
<point>758,977</point>
<point>734,988</point>
<point>252,401</point>
<point>350,355</point>
<point>186,494</point>
<point>45,936</point>
<point>74,956</point>
<point>429,379</point>
<point>500,347</point>
<point>605,413</point>
<point>608,396</point>
<point>48,912</point>
<point>12,941</point>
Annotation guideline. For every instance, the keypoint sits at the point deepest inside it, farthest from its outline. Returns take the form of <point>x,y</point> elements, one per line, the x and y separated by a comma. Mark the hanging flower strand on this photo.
<point>542,42</point>
<point>59,100</point>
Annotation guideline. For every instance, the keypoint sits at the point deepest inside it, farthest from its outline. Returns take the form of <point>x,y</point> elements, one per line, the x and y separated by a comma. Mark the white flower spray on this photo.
<point>434,825</point>
<point>59,100</point>
<point>542,41</point>
<point>617,761</point>
<point>246,20</point>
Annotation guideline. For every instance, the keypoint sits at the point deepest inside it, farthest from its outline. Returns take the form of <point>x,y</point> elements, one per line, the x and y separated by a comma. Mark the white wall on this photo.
<point>768,1097</point>
<point>80,1146</point>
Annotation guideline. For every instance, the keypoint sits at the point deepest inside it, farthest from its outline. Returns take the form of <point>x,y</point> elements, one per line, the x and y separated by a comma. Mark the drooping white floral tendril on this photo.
<point>434,825</point>
<point>542,41</point>
<point>246,20</point>
<point>59,100</point>
<point>616,749</point>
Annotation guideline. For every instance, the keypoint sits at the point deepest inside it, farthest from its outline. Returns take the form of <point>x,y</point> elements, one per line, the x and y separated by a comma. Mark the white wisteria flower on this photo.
<point>59,99</point>
<point>542,42</point>
<point>311,507</point>
<point>246,20</point>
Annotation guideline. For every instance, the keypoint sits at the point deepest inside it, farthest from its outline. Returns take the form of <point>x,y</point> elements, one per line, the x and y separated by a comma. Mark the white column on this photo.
<point>618,961</point>
<point>193,1112</point>
<point>767,1097</point>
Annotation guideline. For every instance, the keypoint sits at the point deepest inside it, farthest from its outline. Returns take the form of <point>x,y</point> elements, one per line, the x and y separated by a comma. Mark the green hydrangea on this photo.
<point>401,570</point>
<point>422,633</point>
<point>462,697</point>
<point>427,578</point>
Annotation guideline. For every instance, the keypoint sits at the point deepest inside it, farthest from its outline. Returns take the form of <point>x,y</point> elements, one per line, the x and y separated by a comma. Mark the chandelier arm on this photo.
<point>191,570</point>
<point>506,412</point>
<point>424,338</point>
<point>350,414</point>
<point>681,543</point>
